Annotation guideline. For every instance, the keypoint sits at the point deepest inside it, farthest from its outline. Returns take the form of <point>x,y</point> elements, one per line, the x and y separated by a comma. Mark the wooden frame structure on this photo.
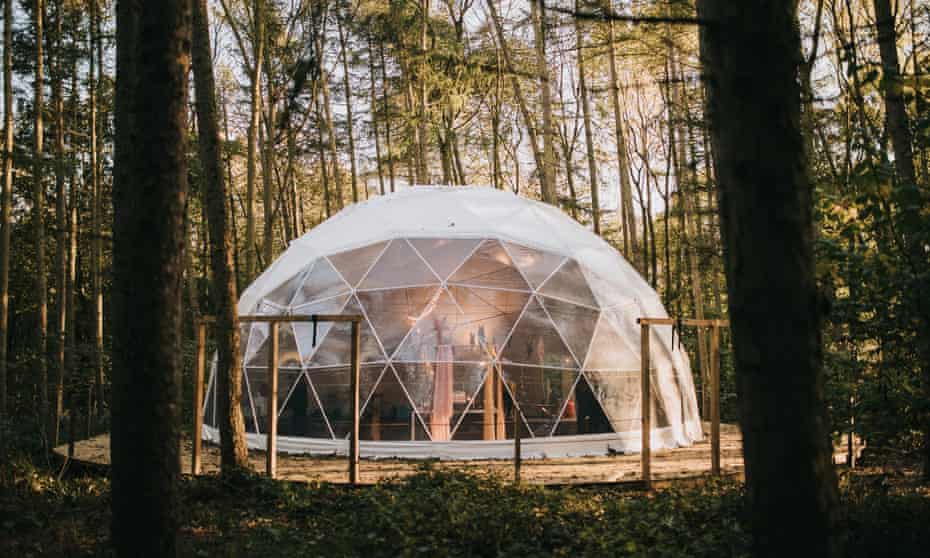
<point>646,384</point>
<point>271,444</point>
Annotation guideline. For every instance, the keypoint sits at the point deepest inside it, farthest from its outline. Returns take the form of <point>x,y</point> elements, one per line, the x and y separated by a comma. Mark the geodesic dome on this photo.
<point>479,306</point>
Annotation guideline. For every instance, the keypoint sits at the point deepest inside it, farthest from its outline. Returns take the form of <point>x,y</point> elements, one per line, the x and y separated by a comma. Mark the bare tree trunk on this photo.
<point>233,453</point>
<point>518,93</point>
<point>93,84</point>
<point>38,219</point>
<point>766,208</point>
<point>61,217</point>
<point>588,130</point>
<point>343,47</point>
<point>324,175</point>
<point>331,133</point>
<point>547,179</point>
<point>268,165</point>
<point>7,200</point>
<point>911,223</point>
<point>153,41</point>
<point>258,53</point>
<point>422,108</point>
<point>387,116</point>
<point>625,209</point>
<point>374,115</point>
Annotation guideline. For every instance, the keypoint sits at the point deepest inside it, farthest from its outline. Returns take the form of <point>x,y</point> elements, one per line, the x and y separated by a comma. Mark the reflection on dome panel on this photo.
<point>542,394</point>
<point>354,264</point>
<point>393,312</point>
<point>444,255</point>
<point>490,266</point>
<point>535,340</point>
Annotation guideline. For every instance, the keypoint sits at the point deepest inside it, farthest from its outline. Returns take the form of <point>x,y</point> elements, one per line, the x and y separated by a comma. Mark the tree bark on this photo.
<point>588,129</point>
<point>258,53</point>
<point>343,47</point>
<point>912,225</point>
<point>61,224</point>
<point>95,70</point>
<point>547,178</point>
<point>766,208</point>
<point>374,116</point>
<point>38,218</point>
<point>422,107</point>
<point>233,452</point>
<point>7,199</point>
<point>149,197</point>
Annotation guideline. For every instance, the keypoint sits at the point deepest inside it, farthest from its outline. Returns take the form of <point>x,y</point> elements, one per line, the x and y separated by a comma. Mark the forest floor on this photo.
<point>439,513</point>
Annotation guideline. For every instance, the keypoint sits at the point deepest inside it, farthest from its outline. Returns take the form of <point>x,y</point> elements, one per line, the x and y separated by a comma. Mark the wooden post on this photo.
<point>488,429</point>
<point>355,378</point>
<point>198,397</point>
<point>714,370</point>
<point>271,443</point>
<point>517,443</point>
<point>646,424</point>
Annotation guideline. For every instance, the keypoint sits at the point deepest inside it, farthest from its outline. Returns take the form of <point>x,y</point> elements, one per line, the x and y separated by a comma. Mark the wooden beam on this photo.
<point>198,396</point>
<point>517,444</point>
<point>288,318</point>
<point>683,321</point>
<point>271,443</point>
<point>354,386</point>
<point>646,422</point>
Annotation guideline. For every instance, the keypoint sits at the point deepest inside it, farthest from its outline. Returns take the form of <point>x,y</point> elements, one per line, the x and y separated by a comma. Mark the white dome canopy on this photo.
<point>475,301</point>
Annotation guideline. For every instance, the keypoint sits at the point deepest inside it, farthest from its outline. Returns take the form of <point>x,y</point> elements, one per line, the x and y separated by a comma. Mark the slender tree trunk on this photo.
<point>93,84</point>
<point>38,218</point>
<point>588,130</point>
<point>547,178</point>
<point>422,107</point>
<point>324,175</point>
<point>374,116</point>
<point>625,209</point>
<point>518,93</point>
<point>7,200</point>
<point>766,207</point>
<point>268,165</point>
<point>343,47</point>
<point>337,193</point>
<point>233,453</point>
<point>61,219</point>
<point>912,224</point>
<point>258,53</point>
<point>149,197</point>
<point>387,116</point>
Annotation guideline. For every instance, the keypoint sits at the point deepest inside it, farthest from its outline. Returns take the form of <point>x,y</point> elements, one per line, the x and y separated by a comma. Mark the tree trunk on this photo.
<point>766,208</point>
<point>337,194</point>
<point>7,200</point>
<point>233,452</point>
<point>149,197</point>
<point>268,165</point>
<point>61,220</point>
<point>912,225</point>
<point>343,47</point>
<point>374,116</point>
<point>324,175</point>
<point>258,53</point>
<point>547,175</point>
<point>38,219</point>
<point>93,83</point>
<point>588,130</point>
<point>423,114</point>
<point>387,117</point>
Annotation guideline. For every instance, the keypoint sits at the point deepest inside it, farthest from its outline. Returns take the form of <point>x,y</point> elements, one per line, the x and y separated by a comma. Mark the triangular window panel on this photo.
<point>575,323</point>
<point>610,351</point>
<point>288,355</point>
<point>490,266</point>
<point>568,283</point>
<point>620,395</point>
<point>283,294</point>
<point>542,394</point>
<point>536,265</point>
<point>300,413</point>
<point>583,413</point>
<point>440,391</point>
<point>248,406</point>
<point>321,282</point>
<point>332,386</point>
<point>392,312</point>
<point>389,414</point>
<point>335,348</point>
<point>536,341</point>
<point>399,266</point>
<point>304,330</point>
<point>353,264</point>
<point>444,255</point>
<point>467,325</point>
<point>488,414</point>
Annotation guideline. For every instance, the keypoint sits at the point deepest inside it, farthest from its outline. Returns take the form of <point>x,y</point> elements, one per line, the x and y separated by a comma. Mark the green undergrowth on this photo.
<point>434,514</point>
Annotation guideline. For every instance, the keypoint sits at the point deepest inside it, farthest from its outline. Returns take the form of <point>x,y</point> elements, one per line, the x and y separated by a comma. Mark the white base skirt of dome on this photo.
<point>464,450</point>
